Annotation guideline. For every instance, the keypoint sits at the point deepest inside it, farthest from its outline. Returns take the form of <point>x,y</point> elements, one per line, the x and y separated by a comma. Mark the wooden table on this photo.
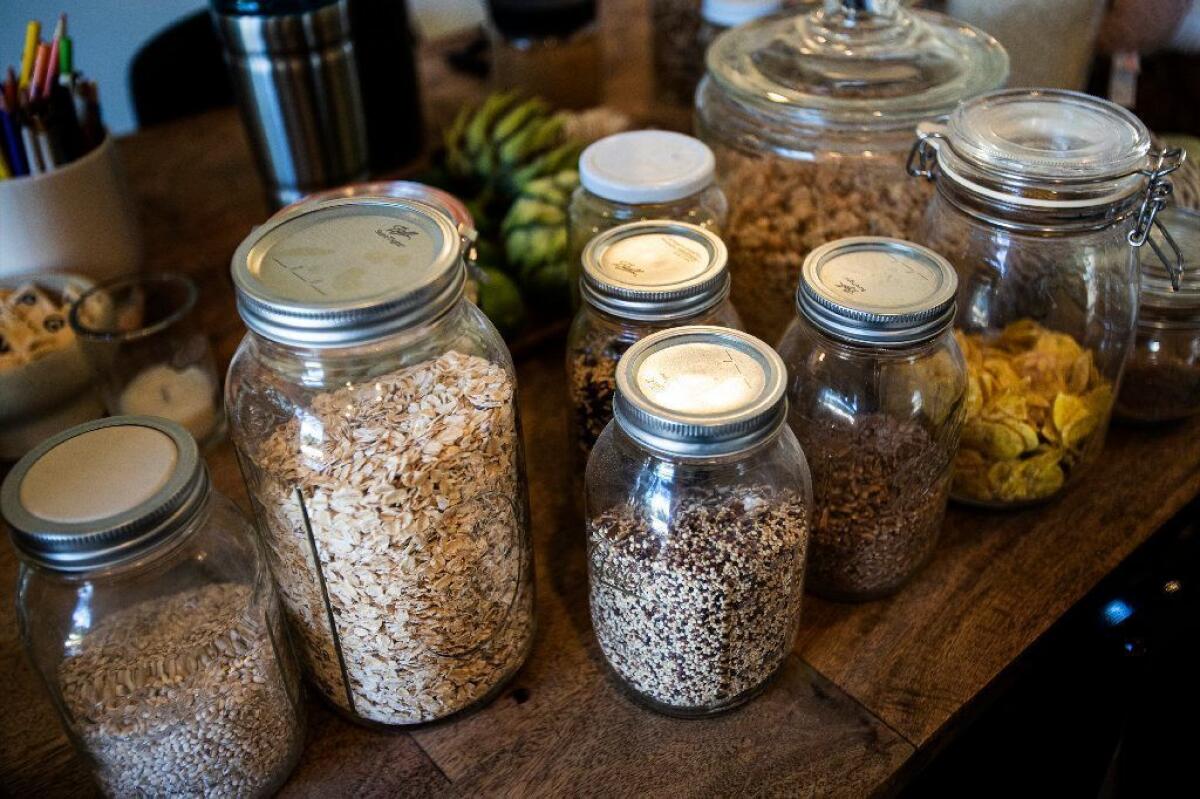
<point>870,693</point>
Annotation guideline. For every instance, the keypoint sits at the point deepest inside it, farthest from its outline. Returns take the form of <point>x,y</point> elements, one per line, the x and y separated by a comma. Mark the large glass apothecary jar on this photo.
<point>639,175</point>
<point>697,522</point>
<point>877,392</point>
<point>1041,197</point>
<point>811,116</point>
<point>374,413</point>
<point>638,279</point>
<point>1162,374</point>
<point>145,606</point>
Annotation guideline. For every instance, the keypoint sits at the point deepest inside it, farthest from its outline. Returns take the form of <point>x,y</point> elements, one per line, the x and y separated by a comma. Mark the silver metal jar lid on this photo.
<point>700,391</point>
<point>879,291</point>
<point>103,493</point>
<point>345,271</point>
<point>655,271</point>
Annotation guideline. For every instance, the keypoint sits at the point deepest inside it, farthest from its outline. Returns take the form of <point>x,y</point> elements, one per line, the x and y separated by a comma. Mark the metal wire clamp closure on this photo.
<point>1158,191</point>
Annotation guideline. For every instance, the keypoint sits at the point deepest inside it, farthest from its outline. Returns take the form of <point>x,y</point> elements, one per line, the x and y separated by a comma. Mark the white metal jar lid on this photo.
<point>646,166</point>
<point>345,271</point>
<point>730,13</point>
<point>700,391</point>
<point>103,493</point>
<point>655,271</point>
<point>879,291</point>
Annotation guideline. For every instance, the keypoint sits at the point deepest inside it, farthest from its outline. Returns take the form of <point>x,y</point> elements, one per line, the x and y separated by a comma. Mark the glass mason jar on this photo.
<point>1162,374</point>
<point>1040,194</point>
<point>877,399</point>
<point>374,413</point>
<point>640,175</point>
<point>638,279</point>
<point>697,515</point>
<point>811,116</point>
<point>145,606</point>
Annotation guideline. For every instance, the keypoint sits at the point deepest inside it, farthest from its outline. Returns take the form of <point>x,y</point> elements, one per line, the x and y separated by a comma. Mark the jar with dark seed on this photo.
<point>697,520</point>
<point>877,399</point>
<point>146,607</point>
<point>638,278</point>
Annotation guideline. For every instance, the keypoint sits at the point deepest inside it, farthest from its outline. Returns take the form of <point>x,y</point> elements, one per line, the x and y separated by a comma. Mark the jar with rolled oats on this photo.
<point>145,605</point>
<point>374,413</point>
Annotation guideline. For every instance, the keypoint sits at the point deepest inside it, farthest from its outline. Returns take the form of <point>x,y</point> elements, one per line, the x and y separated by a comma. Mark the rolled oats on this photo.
<point>701,610</point>
<point>407,486</point>
<point>183,697</point>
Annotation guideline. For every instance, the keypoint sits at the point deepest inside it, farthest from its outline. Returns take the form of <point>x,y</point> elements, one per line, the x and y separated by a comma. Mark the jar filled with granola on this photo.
<point>639,175</point>
<point>876,397</point>
<point>1162,374</point>
<point>145,606</point>
<point>1042,198</point>
<point>638,279</point>
<point>811,116</point>
<point>697,522</point>
<point>374,413</point>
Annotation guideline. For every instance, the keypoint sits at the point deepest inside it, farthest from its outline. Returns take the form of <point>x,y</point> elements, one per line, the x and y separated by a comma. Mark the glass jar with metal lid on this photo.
<point>637,279</point>
<point>146,607</point>
<point>640,175</point>
<point>1042,197</point>
<point>877,398</point>
<point>697,521</point>
<point>374,413</point>
<point>811,115</point>
<point>1162,373</point>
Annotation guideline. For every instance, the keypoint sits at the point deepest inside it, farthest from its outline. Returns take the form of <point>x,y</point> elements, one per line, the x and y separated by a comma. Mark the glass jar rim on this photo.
<point>88,328</point>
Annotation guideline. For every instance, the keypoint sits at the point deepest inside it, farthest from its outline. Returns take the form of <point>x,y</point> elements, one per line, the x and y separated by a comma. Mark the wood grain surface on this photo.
<point>871,688</point>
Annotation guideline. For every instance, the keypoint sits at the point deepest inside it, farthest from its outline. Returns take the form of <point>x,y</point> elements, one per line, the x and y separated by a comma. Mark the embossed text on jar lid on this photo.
<point>104,492</point>
<point>700,391</point>
<point>344,271</point>
<point>876,290</point>
<point>655,271</point>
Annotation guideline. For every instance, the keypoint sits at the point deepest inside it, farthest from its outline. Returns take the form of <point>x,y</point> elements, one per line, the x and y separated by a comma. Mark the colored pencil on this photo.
<point>33,32</point>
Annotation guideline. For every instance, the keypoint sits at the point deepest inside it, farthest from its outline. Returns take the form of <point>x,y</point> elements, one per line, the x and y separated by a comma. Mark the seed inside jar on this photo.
<point>407,487</point>
<point>703,612</point>
<point>182,696</point>
<point>880,487</point>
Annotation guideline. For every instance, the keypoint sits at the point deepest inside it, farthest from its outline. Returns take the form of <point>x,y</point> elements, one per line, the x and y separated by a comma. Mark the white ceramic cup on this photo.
<point>78,218</point>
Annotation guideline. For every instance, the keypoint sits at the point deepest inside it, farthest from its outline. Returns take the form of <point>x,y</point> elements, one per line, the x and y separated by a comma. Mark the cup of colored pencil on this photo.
<point>63,196</point>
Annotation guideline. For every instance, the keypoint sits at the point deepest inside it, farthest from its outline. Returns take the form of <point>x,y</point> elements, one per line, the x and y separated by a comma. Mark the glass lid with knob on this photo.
<point>857,63</point>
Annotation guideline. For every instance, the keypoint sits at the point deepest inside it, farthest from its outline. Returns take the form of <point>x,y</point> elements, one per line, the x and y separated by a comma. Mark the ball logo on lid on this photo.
<point>397,235</point>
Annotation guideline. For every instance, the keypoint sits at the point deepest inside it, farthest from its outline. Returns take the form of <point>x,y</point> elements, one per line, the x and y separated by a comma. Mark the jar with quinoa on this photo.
<point>697,522</point>
<point>811,133</point>
<point>144,603</point>
<point>1043,197</point>
<point>638,279</point>
<point>374,413</point>
<point>876,397</point>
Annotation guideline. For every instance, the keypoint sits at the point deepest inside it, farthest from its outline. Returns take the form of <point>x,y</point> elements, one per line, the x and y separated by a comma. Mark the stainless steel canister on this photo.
<point>297,81</point>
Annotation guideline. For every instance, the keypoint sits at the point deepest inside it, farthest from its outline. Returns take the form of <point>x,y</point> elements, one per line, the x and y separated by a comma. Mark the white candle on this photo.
<point>184,396</point>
